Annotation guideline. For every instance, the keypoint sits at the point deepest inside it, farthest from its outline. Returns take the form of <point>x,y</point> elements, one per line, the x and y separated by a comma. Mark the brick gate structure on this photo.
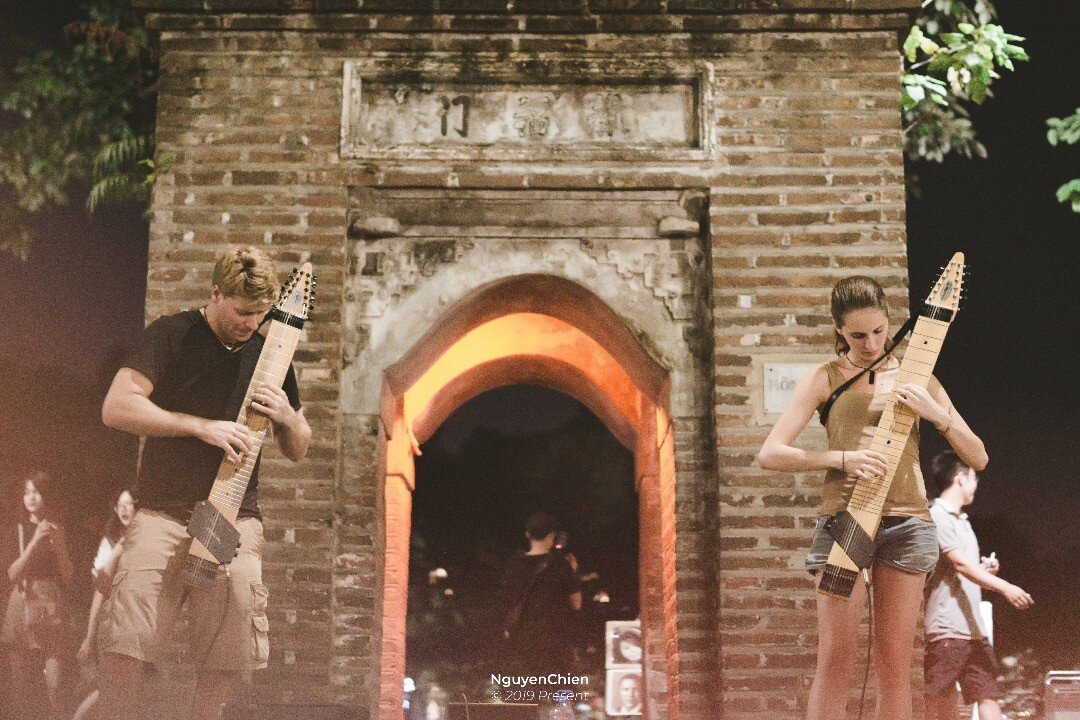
<point>640,203</point>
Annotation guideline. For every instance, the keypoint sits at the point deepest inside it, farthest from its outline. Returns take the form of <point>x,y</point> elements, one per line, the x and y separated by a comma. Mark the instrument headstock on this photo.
<point>946,291</point>
<point>297,297</point>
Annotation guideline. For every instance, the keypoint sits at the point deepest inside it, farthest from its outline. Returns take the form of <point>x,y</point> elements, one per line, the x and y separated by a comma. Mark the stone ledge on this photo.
<point>807,19</point>
<point>526,7</point>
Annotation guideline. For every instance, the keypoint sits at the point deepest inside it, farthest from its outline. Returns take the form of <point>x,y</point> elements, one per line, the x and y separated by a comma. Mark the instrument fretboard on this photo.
<point>232,480</point>
<point>894,428</point>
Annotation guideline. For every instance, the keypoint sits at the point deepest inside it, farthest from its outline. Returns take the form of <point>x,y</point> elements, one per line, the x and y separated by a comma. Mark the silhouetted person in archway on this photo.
<point>542,593</point>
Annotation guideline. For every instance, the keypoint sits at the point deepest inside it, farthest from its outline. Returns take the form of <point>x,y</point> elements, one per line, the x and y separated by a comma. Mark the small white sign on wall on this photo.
<point>779,382</point>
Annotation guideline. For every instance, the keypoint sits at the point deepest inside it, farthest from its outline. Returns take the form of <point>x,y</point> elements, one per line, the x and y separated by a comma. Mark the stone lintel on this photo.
<point>527,7</point>
<point>697,17</point>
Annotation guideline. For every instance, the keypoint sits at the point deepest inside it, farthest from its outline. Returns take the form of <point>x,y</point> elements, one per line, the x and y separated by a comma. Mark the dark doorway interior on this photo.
<point>498,458</point>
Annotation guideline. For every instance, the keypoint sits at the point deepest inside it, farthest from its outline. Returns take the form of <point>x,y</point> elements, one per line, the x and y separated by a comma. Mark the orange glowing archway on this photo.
<point>546,331</point>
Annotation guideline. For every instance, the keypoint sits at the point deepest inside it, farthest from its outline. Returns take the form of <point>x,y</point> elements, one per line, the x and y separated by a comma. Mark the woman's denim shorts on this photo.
<point>908,544</point>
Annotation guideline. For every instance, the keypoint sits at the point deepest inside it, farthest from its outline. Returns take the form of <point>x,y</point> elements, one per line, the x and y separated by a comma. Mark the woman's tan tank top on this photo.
<point>851,424</point>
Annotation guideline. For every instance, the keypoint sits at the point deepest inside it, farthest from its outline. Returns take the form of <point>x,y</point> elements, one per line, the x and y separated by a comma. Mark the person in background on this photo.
<point>628,695</point>
<point>36,630</point>
<point>542,593</point>
<point>627,647</point>
<point>104,562</point>
<point>122,513</point>
<point>958,646</point>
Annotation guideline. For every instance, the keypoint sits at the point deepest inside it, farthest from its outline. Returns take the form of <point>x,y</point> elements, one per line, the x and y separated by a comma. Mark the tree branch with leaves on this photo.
<point>83,112</point>
<point>954,54</point>
<point>1066,131</point>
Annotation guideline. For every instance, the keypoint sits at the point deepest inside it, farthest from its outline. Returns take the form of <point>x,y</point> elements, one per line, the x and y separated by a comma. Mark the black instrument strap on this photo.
<point>900,335</point>
<point>849,534</point>
<point>513,618</point>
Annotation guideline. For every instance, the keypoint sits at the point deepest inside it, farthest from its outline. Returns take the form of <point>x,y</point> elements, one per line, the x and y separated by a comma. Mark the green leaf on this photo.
<point>977,90</point>
<point>911,44</point>
<point>128,150</point>
<point>115,188</point>
<point>1064,130</point>
<point>1070,192</point>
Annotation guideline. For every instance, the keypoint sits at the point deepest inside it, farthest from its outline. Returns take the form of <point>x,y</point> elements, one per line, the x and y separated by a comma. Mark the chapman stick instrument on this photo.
<point>215,539</point>
<point>854,528</point>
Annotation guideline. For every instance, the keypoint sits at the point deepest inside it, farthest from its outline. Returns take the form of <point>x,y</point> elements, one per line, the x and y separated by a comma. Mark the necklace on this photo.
<point>228,346</point>
<point>873,373</point>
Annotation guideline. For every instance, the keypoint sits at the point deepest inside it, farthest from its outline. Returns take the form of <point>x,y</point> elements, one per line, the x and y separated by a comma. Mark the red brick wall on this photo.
<point>805,185</point>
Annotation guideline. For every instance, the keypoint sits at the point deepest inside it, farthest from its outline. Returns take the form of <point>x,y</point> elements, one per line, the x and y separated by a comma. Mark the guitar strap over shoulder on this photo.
<point>514,616</point>
<point>823,414</point>
<point>249,358</point>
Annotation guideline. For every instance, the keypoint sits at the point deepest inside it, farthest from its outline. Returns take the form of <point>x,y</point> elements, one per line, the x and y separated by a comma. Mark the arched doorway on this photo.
<point>498,459</point>
<point>546,331</point>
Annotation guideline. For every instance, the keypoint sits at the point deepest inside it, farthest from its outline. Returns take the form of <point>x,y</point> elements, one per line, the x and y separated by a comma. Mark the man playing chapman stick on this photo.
<point>958,647</point>
<point>182,388</point>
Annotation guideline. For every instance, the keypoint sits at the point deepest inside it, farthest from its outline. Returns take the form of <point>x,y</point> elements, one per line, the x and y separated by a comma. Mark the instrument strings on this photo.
<point>278,342</point>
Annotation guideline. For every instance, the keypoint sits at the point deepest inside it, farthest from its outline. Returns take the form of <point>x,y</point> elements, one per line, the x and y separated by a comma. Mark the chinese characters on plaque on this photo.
<point>382,115</point>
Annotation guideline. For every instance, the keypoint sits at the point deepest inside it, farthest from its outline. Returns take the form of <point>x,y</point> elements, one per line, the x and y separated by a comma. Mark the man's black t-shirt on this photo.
<point>193,373</point>
<point>540,642</point>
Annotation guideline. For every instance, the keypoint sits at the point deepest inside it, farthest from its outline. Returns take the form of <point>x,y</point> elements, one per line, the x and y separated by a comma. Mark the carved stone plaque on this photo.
<point>385,115</point>
<point>779,381</point>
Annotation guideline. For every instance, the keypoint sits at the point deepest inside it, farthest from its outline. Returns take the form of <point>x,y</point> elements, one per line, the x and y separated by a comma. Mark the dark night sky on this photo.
<point>1008,364</point>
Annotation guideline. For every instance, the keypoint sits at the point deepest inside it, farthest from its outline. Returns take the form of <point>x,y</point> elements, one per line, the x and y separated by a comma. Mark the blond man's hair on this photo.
<point>247,273</point>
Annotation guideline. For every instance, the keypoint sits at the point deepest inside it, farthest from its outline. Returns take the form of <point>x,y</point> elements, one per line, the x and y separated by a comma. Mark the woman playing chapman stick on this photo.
<point>906,543</point>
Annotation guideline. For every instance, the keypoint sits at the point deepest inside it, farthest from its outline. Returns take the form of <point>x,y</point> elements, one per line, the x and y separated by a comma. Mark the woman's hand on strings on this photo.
<point>865,464</point>
<point>918,399</point>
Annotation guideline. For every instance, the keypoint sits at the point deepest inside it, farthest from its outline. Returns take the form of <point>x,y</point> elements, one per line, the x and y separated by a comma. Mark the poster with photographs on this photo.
<point>623,641</point>
<point>624,693</point>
